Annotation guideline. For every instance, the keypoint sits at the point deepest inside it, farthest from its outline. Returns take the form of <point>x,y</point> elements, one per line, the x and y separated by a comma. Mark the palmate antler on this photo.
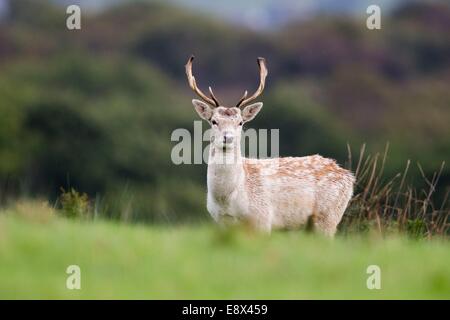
<point>262,82</point>
<point>213,101</point>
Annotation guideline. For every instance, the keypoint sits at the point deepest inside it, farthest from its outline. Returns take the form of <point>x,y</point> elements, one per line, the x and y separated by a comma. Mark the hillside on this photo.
<point>94,109</point>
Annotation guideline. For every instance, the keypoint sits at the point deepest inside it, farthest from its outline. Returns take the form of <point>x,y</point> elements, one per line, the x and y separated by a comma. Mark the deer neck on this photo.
<point>225,173</point>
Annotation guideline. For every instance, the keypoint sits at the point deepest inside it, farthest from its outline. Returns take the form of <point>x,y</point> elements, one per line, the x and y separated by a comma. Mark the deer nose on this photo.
<point>228,137</point>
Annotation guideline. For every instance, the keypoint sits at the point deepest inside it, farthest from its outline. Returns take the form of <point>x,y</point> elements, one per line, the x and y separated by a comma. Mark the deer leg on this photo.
<point>323,224</point>
<point>260,224</point>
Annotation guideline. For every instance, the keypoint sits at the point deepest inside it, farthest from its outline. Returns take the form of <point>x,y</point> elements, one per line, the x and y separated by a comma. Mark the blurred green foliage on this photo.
<point>94,109</point>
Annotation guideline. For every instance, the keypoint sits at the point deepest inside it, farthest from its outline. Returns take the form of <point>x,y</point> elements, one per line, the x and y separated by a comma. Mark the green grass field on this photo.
<point>203,262</point>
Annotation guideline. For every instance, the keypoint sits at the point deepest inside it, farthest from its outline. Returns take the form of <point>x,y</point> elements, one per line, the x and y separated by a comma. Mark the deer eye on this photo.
<point>214,122</point>
<point>241,123</point>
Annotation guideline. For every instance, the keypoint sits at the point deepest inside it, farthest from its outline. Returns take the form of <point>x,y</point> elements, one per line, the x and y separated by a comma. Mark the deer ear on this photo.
<point>250,111</point>
<point>203,109</point>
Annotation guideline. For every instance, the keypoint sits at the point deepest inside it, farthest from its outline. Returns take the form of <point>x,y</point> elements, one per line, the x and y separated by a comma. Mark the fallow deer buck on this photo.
<point>266,194</point>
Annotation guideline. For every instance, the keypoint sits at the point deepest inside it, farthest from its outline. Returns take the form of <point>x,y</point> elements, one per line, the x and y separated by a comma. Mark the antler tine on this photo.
<point>262,74</point>
<point>216,101</point>
<point>191,79</point>
<point>242,99</point>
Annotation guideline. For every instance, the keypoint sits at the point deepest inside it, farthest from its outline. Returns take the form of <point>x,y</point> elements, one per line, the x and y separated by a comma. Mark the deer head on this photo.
<point>226,122</point>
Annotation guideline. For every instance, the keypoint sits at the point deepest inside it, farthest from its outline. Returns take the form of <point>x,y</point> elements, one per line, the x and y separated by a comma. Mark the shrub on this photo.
<point>74,204</point>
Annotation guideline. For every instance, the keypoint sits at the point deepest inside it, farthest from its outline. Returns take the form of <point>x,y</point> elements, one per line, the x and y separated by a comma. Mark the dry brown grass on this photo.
<point>33,210</point>
<point>387,205</point>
